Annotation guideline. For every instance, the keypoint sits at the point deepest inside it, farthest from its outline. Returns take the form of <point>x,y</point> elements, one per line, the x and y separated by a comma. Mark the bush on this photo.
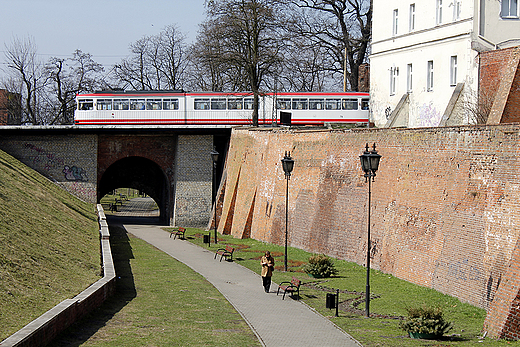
<point>425,320</point>
<point>320,266</point>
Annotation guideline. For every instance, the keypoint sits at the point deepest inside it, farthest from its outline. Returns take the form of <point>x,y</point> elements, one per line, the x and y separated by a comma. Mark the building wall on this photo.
<point>445,202</point>
<point>480,27</point>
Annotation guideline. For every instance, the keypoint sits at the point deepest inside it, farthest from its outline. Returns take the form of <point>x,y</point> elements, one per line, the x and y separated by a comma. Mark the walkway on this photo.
<point>276,322</point>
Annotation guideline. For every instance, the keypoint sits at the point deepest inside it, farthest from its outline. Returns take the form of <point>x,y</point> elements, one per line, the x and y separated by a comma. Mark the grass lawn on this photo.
<point>49,245</point>
<point>390,297</point>
<point>158,302</point>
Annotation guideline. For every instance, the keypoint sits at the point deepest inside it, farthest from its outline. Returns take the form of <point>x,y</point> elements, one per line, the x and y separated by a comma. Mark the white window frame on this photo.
<point>411,18</point>
<point>509,9</point>
<point>394,73</point>
<point>438,12</point>
<point>429,76</point>
<point>453,70</point>
<point>409,78</point>
<point>457,6</point>
<point>395,21</point>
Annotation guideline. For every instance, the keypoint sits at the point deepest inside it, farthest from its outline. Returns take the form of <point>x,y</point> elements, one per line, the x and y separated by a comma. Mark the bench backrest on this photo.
<point>181,229</point>
<point>229,249</point>
<point>295,282</point>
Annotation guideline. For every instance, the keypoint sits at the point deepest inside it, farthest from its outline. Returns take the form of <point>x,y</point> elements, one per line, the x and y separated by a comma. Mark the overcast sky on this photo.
<point>103,28</point>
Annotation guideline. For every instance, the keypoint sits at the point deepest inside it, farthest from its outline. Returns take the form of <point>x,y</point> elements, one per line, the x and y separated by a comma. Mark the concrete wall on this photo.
<point>445,203</point>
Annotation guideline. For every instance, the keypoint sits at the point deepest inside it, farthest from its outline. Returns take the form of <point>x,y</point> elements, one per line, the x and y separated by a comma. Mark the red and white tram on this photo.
<point>217,108</point>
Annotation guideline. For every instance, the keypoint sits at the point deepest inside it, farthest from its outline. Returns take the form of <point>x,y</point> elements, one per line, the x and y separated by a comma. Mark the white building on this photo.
<point>425,55</point>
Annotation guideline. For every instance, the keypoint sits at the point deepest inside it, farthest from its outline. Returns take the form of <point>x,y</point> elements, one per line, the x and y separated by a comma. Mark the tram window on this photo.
<point>332,104</point>
<point>104,104</point>
<point>153,104</point>
<point>299,104</point>
<point>234,104</point>
<point>137,104</point>
<point>283,104</point>
<point>248,104</point>
<point>85,104</point>
<point>218,104</point>
<point>364,104</point>
<point>170,104</point>
<point>121,104</point>
<point>316,104</point>
<point>350,104</point>
<point>201,104</point>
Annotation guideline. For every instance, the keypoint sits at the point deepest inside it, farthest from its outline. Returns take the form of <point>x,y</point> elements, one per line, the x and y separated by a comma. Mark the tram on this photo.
<point>219,108</point>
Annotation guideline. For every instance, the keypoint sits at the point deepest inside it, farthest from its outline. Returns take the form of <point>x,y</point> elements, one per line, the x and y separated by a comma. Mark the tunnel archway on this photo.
<point>138,173</point>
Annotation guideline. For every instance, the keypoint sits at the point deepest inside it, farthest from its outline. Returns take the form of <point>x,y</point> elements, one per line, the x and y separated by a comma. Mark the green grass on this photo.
<point>49,245</point>
<point>390,297</point>
<point>159,302</point>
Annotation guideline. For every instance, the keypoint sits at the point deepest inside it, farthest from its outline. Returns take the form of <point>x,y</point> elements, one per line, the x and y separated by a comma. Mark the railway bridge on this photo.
<point>172,164</point>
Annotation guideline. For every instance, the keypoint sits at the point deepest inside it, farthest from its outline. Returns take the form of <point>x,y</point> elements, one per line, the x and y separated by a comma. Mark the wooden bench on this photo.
<point>178,232</point>
<point>290,287</point>
<point>225,253</point>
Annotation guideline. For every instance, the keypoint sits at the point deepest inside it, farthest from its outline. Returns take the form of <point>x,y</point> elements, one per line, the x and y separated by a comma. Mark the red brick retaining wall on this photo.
<point>445,204</point>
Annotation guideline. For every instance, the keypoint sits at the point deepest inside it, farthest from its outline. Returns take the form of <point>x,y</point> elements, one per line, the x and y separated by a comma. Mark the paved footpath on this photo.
<point>276,322</point>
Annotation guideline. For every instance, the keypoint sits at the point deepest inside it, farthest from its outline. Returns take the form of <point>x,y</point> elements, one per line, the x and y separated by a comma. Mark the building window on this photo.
<point>393,79</point>
<point>438,12</point>
<point>409,84</point>
<point>429,77</point>
<point>411,20</point>
<point>509,9</point>
<point>457,4</point>
<point>453,70</point>
<point>395,22</point>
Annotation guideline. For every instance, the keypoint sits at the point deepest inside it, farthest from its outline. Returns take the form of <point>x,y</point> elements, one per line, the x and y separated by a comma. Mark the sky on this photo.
<point>103,28</point>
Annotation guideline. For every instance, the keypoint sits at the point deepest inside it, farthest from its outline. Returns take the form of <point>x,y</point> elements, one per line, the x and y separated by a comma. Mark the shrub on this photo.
<point>320,266</point>
<point>425,320</point>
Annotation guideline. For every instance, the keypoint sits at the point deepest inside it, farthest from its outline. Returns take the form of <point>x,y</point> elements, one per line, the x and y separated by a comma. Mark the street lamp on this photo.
<point>214,156</point>
<point>369,164</point>
<point>287,165</point>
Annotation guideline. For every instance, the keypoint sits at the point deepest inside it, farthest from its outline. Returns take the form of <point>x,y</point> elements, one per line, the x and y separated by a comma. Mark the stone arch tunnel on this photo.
<point>138,173</point>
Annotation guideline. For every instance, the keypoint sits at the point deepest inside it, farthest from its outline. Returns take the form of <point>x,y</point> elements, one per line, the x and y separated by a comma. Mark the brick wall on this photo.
<point>68,160</point>
<point>445,203</point>
<point>500,81</point>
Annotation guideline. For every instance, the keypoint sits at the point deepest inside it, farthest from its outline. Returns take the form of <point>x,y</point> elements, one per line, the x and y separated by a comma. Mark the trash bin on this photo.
<point>206,238</point>
<point>330,301</point>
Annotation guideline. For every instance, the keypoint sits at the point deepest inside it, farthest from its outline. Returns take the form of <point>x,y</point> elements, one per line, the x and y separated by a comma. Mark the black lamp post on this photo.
<point>369,164</point>
<point>214,156</point>
<point>287,165</point>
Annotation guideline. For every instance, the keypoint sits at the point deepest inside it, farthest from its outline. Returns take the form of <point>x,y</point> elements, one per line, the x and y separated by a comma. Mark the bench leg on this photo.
<point>215,256</point>
<point>283,297</point>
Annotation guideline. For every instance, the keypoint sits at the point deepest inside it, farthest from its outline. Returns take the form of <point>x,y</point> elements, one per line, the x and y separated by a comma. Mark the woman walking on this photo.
<point>267,270</point>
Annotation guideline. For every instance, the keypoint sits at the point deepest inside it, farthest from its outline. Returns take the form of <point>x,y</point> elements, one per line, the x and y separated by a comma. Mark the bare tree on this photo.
<point>70,77</point>
<point>247,35</point>
<point>342,28</point>
<point>156,62</point>
<point>21,60</point>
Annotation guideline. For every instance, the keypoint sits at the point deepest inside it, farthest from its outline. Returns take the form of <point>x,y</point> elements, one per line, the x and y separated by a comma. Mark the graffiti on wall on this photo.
<point>428,116</point>
<point>460,270</point>
<point>50,161</point>
<point>74,173</point>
